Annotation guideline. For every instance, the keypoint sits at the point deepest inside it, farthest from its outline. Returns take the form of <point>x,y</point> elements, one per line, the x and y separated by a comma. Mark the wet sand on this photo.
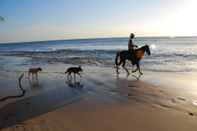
<point>100,101</point>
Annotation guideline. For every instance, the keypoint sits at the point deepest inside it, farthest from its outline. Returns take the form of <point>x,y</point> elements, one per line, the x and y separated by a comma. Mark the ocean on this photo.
<point>168,54</point>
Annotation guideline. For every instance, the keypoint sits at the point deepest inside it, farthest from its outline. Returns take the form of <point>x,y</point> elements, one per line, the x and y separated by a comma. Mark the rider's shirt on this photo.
<point>131,45</point>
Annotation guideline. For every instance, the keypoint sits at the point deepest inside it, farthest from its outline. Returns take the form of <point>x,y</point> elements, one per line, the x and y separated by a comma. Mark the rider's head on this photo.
<point>132,36</point>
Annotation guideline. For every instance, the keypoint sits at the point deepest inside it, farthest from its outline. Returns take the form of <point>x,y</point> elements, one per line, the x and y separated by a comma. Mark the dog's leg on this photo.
<point>36,75</point>
<point>74,77</point>
<point>79,74</point>
<point>69,77</point>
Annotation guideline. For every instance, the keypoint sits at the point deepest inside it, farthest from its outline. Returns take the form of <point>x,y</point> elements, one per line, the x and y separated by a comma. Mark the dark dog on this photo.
<point>74,70</point>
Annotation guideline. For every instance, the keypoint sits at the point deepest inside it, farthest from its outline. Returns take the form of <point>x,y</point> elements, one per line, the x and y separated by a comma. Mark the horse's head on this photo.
<point>147,49</point>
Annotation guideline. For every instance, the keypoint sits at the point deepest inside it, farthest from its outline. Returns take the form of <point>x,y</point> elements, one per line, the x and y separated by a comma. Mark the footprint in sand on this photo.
<point>191,114</point>
<point>178,99</point>
<point>129,94</point>
<point>173,100</point>
<point>194,103</point>
<point>181,98</point>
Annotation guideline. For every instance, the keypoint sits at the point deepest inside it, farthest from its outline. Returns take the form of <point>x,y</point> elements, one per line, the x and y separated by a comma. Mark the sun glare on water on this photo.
<point>153,46</point>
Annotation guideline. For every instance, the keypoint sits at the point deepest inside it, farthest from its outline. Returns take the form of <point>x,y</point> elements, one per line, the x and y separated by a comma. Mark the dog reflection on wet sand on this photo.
<point>33,76</point>
<point>74,84</point>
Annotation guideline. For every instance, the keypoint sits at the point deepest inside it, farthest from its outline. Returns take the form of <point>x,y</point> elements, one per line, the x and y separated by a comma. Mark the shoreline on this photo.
<point>101,92</point>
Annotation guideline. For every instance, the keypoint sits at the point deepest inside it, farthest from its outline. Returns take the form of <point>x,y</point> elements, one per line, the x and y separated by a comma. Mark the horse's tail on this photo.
<point>116,59</point>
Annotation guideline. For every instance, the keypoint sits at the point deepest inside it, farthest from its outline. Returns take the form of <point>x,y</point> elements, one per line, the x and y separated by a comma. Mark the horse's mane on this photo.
<point>142,47</point>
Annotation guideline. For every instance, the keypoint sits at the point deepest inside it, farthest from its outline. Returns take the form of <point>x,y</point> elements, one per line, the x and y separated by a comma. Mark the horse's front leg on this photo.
<point>138,67</point>
<point>133,71</point>
<point>133,64</point>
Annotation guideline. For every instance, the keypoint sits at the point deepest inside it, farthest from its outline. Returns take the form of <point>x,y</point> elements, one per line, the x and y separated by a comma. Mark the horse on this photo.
<point>124,55</point>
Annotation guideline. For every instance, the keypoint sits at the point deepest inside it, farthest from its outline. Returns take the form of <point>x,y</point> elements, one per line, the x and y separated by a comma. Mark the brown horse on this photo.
<point>122,56</point>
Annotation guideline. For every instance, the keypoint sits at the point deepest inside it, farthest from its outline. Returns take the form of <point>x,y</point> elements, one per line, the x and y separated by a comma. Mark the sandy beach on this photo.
<point>135,64</point>
<point>100,101</point>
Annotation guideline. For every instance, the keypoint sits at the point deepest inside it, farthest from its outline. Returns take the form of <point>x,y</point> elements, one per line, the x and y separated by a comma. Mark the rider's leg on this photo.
<point>132,56</point>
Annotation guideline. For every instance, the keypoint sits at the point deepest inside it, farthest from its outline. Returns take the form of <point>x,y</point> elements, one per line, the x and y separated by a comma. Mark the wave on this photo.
<point>162,61</point>
<point>103,54</point>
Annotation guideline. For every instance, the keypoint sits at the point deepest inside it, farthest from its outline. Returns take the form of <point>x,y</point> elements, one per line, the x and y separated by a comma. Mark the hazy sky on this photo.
<point>32,20</point>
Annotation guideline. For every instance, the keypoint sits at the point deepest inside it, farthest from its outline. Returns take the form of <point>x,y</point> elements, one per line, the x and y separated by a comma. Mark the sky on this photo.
<point>37,20</point>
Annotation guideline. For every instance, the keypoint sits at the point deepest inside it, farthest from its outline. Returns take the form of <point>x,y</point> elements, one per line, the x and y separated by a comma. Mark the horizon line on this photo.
<point>92,38</point>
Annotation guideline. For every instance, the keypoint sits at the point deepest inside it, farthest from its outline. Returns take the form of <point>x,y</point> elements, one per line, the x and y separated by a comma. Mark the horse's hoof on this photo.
<point>134,71</point>
<point>138,78</point>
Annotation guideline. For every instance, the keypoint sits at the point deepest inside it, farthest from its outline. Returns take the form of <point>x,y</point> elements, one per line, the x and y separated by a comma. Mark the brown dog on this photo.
<point>34,71</point>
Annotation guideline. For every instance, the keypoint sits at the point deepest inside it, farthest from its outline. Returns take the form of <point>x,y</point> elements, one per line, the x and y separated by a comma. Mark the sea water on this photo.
<point>168,54</point>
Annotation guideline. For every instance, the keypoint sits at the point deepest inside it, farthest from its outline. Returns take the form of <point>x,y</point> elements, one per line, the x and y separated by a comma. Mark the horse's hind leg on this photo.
<point>117,70</point>
<point>117,67</point>
<point>123,65</point>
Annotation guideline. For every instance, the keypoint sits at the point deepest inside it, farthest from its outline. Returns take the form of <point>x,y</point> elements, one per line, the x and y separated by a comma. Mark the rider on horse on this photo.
<point>132,54</point>
<point>131,47</point>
